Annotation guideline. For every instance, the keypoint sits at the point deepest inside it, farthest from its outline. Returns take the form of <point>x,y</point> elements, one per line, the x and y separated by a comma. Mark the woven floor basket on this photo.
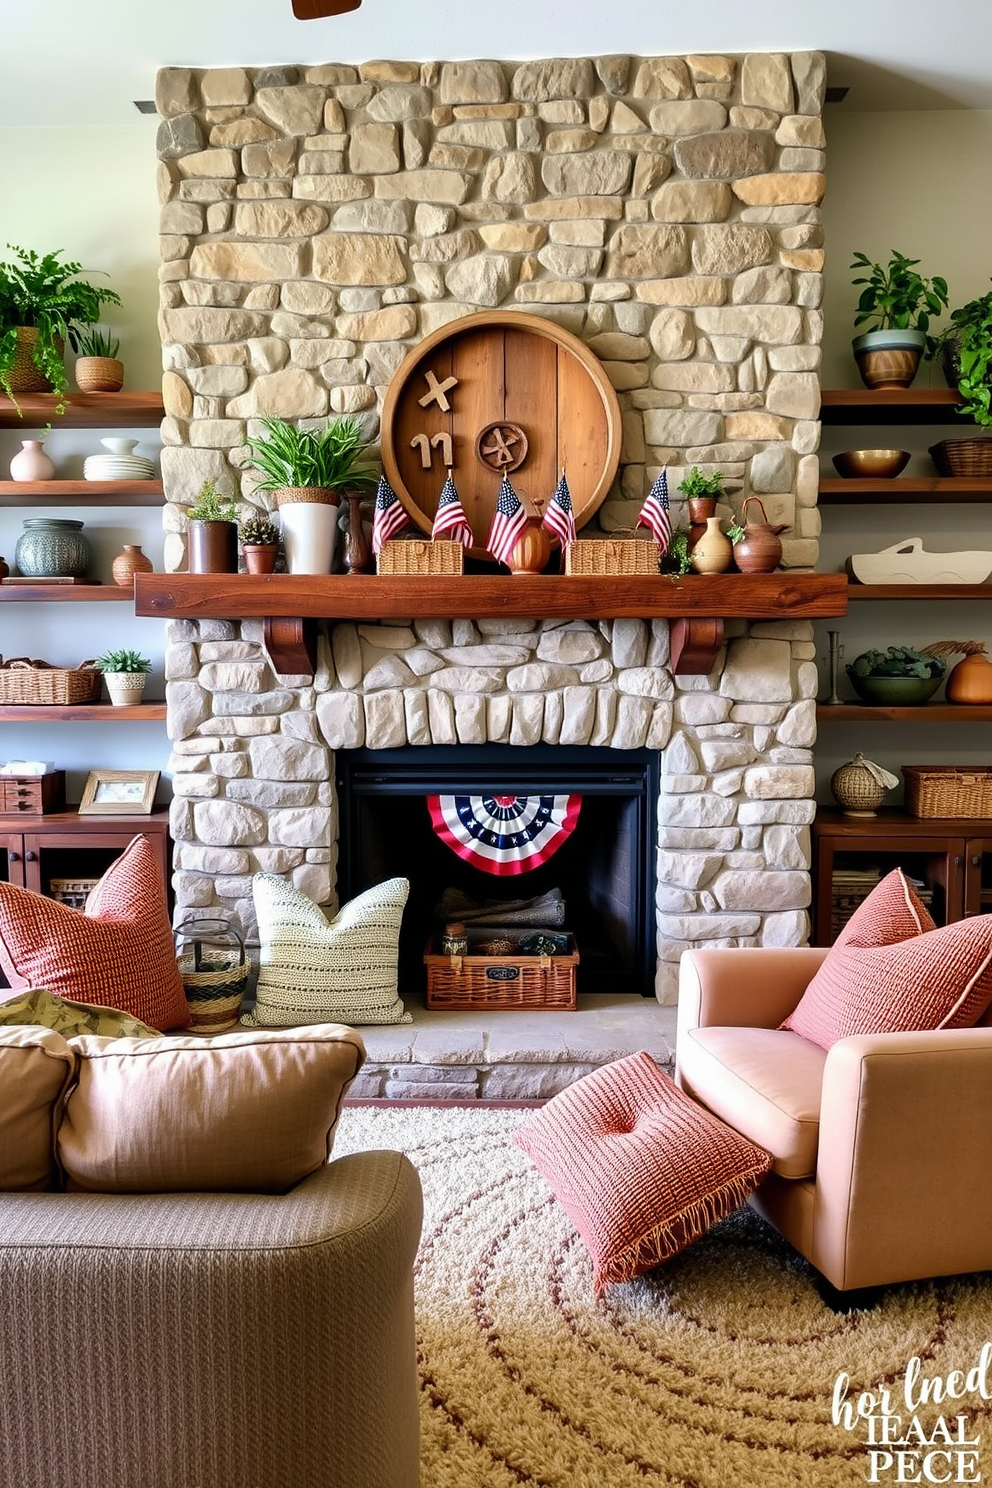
<point>515,981</point>
<point>962,456</point>
<point>612,555</point>
<point>949,790</point>
<point>214,992</point>
<point>416,556</point>
<point>24,681</point>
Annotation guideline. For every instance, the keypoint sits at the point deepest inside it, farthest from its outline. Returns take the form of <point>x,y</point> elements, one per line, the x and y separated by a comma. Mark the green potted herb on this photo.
<point>308,471</point>
<point>900,676</point>
<point>43,305</point>
<point>675,559</point>
<point>896,304</point>
<point>125,673</point>
<point>98,368</point>
<point>259,543</point>
<point>965,348</point>
<point>213,531</point>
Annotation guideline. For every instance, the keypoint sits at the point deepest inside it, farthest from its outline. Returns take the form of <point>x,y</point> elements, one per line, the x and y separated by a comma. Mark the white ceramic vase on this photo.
<point>309,533</point>
<point>31,463</point>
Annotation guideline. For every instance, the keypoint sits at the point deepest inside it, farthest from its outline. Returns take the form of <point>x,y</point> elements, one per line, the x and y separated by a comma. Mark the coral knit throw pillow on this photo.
<point>638,1167</point>
<point>892,971</point>
<point>117,951</point>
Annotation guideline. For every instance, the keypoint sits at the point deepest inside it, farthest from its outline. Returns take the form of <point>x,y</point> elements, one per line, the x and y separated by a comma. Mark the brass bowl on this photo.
<point>871,464</point>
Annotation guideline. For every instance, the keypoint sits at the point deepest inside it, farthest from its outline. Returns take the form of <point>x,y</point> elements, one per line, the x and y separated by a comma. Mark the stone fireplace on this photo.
<point>316,224</point>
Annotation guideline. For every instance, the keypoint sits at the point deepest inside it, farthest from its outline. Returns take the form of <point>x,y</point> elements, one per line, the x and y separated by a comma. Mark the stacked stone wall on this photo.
<point>316,223</point>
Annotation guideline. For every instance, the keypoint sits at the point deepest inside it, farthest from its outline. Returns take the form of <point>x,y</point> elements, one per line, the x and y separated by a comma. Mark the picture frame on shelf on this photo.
<point>119,793</point>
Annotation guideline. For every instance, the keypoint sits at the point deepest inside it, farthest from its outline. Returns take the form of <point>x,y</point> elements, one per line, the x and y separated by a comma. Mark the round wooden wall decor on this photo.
<point>494,393</point>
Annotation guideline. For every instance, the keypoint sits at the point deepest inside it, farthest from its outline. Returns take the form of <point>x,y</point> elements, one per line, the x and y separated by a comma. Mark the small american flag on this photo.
<point>509,521</point>
<point>450,520</point>
<point>388,516</point>
<point>655,513</point>
<point>559,517</point>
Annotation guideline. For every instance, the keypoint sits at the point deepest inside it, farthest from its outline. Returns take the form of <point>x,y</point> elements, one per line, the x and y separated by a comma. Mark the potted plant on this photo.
<point>965,349</point>
<point>125,672</point>
<point>213,532</point>
<point>98,368</point>
<point>701,494</point>
<point>898,677</point>
<point>896,303</point>
<point>43,304</point>
<point>259,543</point>
<point>308,471</point>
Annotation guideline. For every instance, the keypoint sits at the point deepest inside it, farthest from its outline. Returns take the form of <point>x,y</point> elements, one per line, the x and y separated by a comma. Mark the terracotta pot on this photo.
<point>714,552</point>
<point>760,549</point>
<point>213,547</point>
<point>970,681</point>
<point>129,562</point>
<point>96,374</point>
<point>260,558</point>
<point>699,509</point>
<point>531,550</point>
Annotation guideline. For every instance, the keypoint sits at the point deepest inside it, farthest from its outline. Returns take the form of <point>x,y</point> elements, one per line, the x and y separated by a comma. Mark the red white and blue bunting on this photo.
<point>504,834</point>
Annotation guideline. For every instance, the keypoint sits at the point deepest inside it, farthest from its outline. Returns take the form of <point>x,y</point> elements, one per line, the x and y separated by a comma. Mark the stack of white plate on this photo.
<point>118,468</point>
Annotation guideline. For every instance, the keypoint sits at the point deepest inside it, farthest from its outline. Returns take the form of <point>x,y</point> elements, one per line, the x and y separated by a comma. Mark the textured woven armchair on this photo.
<point>207,1340</point>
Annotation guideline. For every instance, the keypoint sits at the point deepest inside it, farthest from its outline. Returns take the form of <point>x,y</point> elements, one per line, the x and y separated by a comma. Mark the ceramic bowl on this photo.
<point>871,464</point>
<point>895,692</point>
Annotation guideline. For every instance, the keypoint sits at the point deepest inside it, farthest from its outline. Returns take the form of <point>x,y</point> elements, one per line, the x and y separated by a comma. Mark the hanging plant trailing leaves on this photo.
<point>44,292</point>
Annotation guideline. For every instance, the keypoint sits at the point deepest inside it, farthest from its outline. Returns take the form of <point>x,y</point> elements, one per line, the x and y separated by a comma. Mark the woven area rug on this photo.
<point>717,1369</point>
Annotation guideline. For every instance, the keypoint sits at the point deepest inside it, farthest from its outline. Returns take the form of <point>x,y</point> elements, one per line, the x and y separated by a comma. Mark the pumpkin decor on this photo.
<point>970,681</point>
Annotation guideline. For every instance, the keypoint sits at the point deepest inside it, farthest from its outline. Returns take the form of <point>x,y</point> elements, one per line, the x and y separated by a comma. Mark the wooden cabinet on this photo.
<point>67,845</point>
<point>951,858</point>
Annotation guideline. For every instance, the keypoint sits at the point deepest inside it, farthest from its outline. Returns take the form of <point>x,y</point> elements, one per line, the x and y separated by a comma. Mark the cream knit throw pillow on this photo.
<point>315,970</point>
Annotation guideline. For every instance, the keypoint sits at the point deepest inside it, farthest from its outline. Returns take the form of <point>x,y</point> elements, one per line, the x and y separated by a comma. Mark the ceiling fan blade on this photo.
<point>316,10</point>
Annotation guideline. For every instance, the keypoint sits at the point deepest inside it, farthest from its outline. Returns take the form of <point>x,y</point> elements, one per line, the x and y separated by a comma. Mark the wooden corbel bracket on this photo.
<point>695,644</point>
<point>291,643</point>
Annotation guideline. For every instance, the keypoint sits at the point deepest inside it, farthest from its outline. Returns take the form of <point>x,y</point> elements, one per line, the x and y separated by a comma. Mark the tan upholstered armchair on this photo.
<point>882,1145</point>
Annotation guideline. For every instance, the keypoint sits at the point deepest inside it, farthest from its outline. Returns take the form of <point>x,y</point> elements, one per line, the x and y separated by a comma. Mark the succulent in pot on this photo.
<point>308,471</point>
<point>896,304</point>
<point>898,677</point>
<point>259,543</point>
<point>213,531</point>
<point>43,305</point>
<point>125,672</point>
<point>98,368</point>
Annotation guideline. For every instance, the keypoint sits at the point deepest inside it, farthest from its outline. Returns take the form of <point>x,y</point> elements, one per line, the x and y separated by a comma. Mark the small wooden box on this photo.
<point>461,983</point>
<point>32,795</point>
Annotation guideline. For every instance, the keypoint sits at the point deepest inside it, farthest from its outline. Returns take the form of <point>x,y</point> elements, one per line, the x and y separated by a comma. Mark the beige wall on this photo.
<point>914,182</point>
<point>91,193</point>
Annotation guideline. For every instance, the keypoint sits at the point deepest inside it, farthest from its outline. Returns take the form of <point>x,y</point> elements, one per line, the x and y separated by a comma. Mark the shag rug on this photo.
<point>716,1370</point>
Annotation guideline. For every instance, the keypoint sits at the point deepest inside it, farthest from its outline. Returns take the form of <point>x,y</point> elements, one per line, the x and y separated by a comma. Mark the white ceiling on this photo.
<point>85,61</point>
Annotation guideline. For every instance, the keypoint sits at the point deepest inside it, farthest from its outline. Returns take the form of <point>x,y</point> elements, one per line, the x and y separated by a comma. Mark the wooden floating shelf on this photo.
<point>64,593</point>
<point>290,604</point>
<point>83,411</point>
<point>890,406</point>
<point>925,713</point>
<point>87,493</point>
<point>840,492</point>
<point>81,713</point>
<point>918,591</point>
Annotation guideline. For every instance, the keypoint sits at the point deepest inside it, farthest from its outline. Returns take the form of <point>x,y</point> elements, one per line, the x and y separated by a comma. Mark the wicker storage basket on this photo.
<point>847,895</point>
<point>612,555</point>
<point>461,983</point>
<point>24,681</point>
<point>962,456</point>
<point>414,555</point>
<point>71,891</point>
<point>949,790</point>
<point>214,969</point>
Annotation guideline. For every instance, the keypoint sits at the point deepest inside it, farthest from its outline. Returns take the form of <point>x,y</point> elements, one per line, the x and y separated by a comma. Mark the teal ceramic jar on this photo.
<point>52,548</point>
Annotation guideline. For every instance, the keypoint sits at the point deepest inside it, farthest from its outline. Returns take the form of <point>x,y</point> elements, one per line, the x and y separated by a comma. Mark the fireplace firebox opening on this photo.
<point>605,870</point>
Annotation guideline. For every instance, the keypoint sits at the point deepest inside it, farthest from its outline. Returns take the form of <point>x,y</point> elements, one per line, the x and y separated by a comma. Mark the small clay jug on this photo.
<point>531,550</point>
<point>760,549</point>
<point>970,681</point>
<point>713,553</point>
<point>129,562</point>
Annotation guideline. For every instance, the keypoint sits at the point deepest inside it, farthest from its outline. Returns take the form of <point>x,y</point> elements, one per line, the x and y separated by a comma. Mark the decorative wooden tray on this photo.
<point>499,393</point>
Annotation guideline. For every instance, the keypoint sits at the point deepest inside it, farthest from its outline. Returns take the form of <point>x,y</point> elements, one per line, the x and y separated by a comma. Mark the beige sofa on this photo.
<point>229,1331</point>
<point>882,1145</point>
